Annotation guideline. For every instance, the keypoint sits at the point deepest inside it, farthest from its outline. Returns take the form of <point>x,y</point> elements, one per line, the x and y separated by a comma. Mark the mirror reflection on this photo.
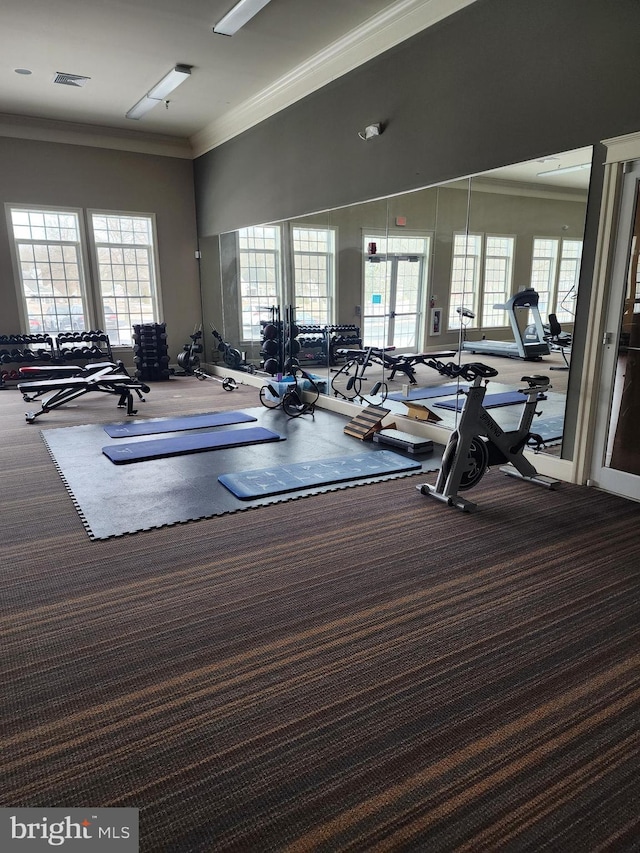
<point>480,269</point>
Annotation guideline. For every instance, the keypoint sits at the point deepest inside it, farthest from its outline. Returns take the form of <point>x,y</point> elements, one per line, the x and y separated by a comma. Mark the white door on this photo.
<point>616,460</point>
<point>394,289</point>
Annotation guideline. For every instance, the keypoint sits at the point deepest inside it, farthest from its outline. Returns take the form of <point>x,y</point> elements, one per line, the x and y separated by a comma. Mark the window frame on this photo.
<point>156,296</point>
<point>478,294</point>
<point>91,292</point>
<point>332,261</point>
<point>559,256</point>
<point>278,267</point>
<point>83,258</point>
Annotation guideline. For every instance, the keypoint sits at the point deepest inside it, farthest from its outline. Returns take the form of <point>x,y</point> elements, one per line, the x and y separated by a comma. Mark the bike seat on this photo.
<point>532,381</point>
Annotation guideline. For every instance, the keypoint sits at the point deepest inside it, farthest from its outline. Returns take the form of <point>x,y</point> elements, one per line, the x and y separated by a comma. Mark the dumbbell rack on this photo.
<point>45,349</point>
<point>320,343</point>
<point>150,352</point>
<point>68,349</point>
<point>10,354</point>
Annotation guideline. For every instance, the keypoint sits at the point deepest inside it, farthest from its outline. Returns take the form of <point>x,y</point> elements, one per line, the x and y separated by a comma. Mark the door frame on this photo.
<point>620,150</point>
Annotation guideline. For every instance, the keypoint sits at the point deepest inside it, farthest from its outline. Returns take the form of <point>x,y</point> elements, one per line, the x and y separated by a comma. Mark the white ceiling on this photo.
<point>290,48</point>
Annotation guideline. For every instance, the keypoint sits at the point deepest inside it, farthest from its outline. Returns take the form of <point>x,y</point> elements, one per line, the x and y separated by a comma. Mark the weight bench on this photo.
<point>42,373</point>
<point>406,363</point>
<point>111,379</point>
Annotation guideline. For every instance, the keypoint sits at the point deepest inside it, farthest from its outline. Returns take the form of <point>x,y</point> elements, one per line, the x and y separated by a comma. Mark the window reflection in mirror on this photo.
<point>419,272</point>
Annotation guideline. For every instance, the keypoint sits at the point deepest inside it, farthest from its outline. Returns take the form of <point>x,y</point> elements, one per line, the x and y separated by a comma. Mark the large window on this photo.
<point>568,277</point>
<point>259,270</point>
<point>498,266</point>
<point>465,277</point>
<point>50,269</point>
<point>58,293</point>
<point>124,247</point>
<point>555,270</point>
<point>313,253</point>
<point>481,277</point>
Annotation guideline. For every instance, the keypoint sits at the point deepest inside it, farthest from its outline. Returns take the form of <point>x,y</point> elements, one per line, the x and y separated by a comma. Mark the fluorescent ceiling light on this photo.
<point>238,16</point>
<point>563,170</point>
<point>160,91</point>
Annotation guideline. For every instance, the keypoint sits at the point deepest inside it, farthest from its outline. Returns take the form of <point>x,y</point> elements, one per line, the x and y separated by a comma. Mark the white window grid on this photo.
<point>259,276</point>
<point>568,277</point>
<point>313,256</point>
<point>481,277</point>
<point>465,278</point>
<point>124,246</point>
<point>555,271</point>
<point>497,279</point>
<point>50,268</point>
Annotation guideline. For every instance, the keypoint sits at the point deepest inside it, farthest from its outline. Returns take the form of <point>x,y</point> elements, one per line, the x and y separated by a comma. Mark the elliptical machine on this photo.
<point>479,442</point>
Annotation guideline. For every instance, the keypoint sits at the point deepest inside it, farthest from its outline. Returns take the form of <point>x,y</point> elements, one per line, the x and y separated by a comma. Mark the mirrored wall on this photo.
<point>430,271</point>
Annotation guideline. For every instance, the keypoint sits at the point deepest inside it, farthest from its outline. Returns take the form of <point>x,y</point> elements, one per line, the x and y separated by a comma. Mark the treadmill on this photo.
<point>529,342</point>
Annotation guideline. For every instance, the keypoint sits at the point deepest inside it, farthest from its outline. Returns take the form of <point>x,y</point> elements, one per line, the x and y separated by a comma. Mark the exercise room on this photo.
<point>318,387</point>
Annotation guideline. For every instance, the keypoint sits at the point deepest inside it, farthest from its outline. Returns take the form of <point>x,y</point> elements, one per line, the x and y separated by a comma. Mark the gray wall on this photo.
<point>499,82</point>
<point>40,173</point>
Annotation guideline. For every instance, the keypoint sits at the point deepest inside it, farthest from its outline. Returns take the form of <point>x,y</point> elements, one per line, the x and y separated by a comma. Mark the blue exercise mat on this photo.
<point>263,482</point>
<point>491,401</point>
<point>426,393</point>
<point>160,425</point>
<point>140,451</point>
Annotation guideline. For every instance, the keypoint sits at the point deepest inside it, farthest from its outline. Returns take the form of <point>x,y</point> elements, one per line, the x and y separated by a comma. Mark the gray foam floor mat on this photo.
<point>113,500</point>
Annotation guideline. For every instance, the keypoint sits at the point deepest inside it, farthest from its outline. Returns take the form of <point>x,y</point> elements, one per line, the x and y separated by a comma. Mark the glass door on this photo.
<point>393,292</point>
<point>616,460</point>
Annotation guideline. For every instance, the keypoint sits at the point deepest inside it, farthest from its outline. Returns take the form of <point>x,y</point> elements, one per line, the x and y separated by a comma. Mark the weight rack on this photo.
<point>150,352</point>
<point>45,349</point>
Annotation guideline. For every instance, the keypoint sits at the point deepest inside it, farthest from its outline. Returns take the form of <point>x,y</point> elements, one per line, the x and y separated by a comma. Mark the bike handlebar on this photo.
<point>470,371</point>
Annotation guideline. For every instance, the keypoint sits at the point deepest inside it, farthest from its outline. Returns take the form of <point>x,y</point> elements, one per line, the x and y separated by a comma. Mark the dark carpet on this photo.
<point>363,670</point>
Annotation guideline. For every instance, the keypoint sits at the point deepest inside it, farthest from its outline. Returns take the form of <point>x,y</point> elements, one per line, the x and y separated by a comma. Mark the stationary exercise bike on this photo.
<point>479,442</point>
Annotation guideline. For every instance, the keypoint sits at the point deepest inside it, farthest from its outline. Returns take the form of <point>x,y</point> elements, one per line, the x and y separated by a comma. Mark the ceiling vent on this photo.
<point>76,80</point>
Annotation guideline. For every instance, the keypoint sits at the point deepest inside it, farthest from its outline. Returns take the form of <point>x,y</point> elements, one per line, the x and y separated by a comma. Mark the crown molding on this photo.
<point>383,31</point>
<point>622,148</point>
<point>71,133</point>
<point>502,186</point>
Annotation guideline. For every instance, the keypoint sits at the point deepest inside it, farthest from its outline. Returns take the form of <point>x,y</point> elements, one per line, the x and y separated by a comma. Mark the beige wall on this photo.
<point>52,174</point>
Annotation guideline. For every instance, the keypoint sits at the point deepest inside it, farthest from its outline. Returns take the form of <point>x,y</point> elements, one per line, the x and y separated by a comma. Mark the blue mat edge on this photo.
<point>162,444</point>
<point>417,394</point>
<point>244,418</point>
<point>407,465</point>
<point>491,401</point>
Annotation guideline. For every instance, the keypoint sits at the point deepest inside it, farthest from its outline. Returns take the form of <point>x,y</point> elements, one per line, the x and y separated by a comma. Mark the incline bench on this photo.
<point>404,363</point>
<point>106,378</point>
